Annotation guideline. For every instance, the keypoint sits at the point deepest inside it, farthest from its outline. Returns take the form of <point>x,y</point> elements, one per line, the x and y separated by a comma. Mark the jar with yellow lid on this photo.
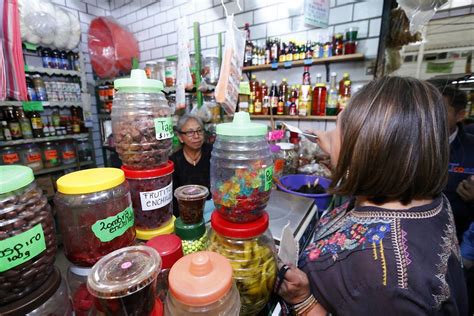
<point>95,214</point>
<point>167,228</point>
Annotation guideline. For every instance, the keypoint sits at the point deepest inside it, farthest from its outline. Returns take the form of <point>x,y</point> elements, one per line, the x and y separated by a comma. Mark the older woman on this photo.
<point>391,250</point>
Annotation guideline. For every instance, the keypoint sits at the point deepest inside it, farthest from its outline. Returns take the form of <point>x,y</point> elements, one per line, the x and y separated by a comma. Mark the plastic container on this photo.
<point>84,150</point>
<point>82,299</point>
<point>95,214</point>
<point>27,234</point>
<point>191,200</point>
<point>170,250</point>
<point>290,156</point>
<point>278,161</point>
<point>51,298</point>
<point>141,122</point>
<point>251,251</point>
<point>201,284</point>
<point>194,236</point>
<point>31,157</point>
<point>210,70</point>
<point>171,72</point>
<point>124,281</point>
<point>68,152</point>
<point>10,156</point>
<point>51,156</point>
<point>241,169</point>
<point>152,195</point>
<point>167,228</point>
<point>295,181</point>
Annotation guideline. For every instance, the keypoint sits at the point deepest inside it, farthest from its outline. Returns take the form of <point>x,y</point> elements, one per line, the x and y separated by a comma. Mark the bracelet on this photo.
<point>305,306</point>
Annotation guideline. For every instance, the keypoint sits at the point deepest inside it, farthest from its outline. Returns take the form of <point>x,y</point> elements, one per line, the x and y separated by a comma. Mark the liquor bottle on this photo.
<point>282,55</point>
<point>345,96</point>
<point>258,99</point>
<point>36,124</point>
<point>283,93</point>
<point>268,53</point>
<point>265,98</point>
<point>306,76</point>
<point>274,97</point>
<point>274,51</point>
<point>13,123</point>
<point>25,124</point>
<point>248,47</point>
<point>254,85</point>
<point>254,56</point>
<point>331,108</point>
<point>341,83</point>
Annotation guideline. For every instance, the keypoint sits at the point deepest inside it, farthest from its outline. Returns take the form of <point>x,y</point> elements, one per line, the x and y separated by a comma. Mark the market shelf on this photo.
<point>63,167</point>
<point>44,103</point>
<point>294,118</point>
<point>42,140</point>
<point>52,71</point>
<point>306,62</point>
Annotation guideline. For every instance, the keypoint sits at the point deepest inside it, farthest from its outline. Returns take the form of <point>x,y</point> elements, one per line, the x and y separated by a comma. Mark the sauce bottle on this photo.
<point>36,124</point>
<point>345,96</point>
<point>341,83</point>
<point>319,100</point>
<point>13,123</point>
<point>25,124</point>
<point>332,97</point>
<point>274,97</point>
<point>306,76</point>
<point>265,98</point>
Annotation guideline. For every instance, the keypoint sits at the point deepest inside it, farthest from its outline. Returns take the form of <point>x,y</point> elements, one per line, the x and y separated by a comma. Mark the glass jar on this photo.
<point>152,196</point>
<point>210,70</point>
<point>170,72</point>
<point>26,231</point>
<point>82,299</point>
<point>193,236</point>
<point>94,204</point>
<point>290,156</point>
<point>150,70</point>
<point>251,251</point>
<point>278,162</point>
<point>170,250</point>
<point>84,150</point>
<point>68,152</point>
<point>31,157</point>
<point>191,200</point>
<point>124,281</point>
<point>51,157</point>
<point>241,169</point>
<point>10,156</point>
<point>160,70</point>
<point>201,284</point>
<point>141,122</point>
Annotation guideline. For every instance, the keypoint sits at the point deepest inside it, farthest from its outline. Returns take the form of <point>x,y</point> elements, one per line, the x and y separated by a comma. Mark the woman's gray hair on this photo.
<point>185,118</point>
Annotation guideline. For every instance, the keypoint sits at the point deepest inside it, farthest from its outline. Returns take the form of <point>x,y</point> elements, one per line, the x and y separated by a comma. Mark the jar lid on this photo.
<point>124,272</point>
<point>200,278</point>
<point>168,228</point>
<point>241,126</point>
<point>138,82</point>
<point>169,247</point>
<point>239,230</point>
<point>286,146</point>
<point>150,173</point>
<point>80,271</point>
<point>90,180</point>
<point>275,148</point>
<point>15,177</point>
<point>191,192</point>
<point>189,231</point>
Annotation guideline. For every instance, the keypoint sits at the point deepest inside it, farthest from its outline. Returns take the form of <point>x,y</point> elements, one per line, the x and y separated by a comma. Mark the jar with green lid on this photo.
<point>252,254</point>
<point>193,236</point>
<point>27,234</point>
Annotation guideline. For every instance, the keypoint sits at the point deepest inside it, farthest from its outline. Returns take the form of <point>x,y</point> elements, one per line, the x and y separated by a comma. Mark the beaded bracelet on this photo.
<point>305,306</point>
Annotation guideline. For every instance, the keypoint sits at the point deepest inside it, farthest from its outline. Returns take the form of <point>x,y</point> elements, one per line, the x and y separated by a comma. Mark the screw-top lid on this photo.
<point>320,85</point>
<point>148,234</point>
<point>189,231</point>
<point>90,180</point>
<point>239,230</point>
<point>200,278</point>
<point>347,83</point>
<point>191,192</point>
<point>286,146</point>
<point>264,81</point>
<point>169,248</point>
<point>138,82</point>
<point>254,77</point>
<point>346,75</point>
<point>14,177</point>
<point>124,272</point>
<point>275,148</point>
<point>241,126</point>
<point>150,173</point>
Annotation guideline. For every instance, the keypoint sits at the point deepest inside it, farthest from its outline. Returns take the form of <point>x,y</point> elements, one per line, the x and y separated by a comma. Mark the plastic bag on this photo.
<point>184,78</point>
<point>204,113</point>
<point>75,35</point>
<point>63,31</point>
<point>419,12</point>
<point>227,89</point>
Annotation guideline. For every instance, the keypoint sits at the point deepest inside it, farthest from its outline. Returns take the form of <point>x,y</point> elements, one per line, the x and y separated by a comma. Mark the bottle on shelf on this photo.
<point>274,97</point>
<point>265,98</point>
<point>254,86</point>
<point>338,45</point>
<point>293,100</point>
<point>327,47</point>
<point>304,106</point>
<point>13,123</point>
<point>76,126</point>
<point>36,124</point>
<point>306,76</point>
<point>25,124</point>
<point>295,96</point>
<point>274,51</point>
<point>243,100</point>
<point>46,57</point>
<point>51,129</point>
<point>319,100</point>
<point>30,88</point>
<point>283,92</point>
<point>248,47</point>
<point>55,59</point>
<point>45,129</point>
<point>68,123</point>
<point>40,88</point>
<point>255,56</point>
<point>333,96</point>
<point>341,83</point>
<point>6,131</point>
<point>281,55</point>
<point>345,96</point>
<point>319,78</point>
<point>268,57</point>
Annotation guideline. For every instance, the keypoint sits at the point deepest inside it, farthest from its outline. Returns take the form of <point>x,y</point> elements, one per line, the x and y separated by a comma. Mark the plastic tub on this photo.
<point>295,181</point>
<point>191,199</point>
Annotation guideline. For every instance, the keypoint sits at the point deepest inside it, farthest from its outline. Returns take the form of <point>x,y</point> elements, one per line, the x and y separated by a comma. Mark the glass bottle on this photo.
<point>341,83</point>
<point>274,97</point>
<point>13,123</point>
<point>24,123</point>
<point>306,76</point>
<point>248,47</point>
<point>319,100</point>
<point>345,96</point>
<point>265,98</point>
<point>338,45</point>
<point>30,89</point>
<point>331,109</point>
<point>36,124</point>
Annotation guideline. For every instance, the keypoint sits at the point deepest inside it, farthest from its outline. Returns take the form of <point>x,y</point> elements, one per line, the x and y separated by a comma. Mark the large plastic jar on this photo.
<point>141,122</point>
<point>31,157</point>
<point>251,251</point>
<point>152,195</point>
<point>27,234</point>
<point>95,214</point>
<point>241,169</point>
<point>124,281</point>
<point>201,284</point>
<point>68,152</point>
<point>51,156</point>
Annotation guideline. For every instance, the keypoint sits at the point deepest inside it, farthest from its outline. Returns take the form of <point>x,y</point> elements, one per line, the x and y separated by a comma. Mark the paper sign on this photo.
<point>153,200</point>
<point>163,127</point>
<point>29,106</point>
<point>268,178</point>
<point>244,87</point>
<point>289,247</point>
<point>316,13</point>
<point>30,46</point>
<point>113,226</point>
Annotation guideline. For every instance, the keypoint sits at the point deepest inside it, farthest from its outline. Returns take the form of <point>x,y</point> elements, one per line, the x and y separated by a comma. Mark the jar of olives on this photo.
<point>193,236</point>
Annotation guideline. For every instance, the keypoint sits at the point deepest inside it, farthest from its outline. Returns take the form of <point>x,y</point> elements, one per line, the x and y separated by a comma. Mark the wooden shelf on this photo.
<point>52,71</point>
<point>63,167</point>
<point>302,63</point>
<point>294,118</point>
<point>42,140</point>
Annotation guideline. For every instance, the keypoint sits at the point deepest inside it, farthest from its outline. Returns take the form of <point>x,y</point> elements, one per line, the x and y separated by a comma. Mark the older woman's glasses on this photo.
<point>191,133</point>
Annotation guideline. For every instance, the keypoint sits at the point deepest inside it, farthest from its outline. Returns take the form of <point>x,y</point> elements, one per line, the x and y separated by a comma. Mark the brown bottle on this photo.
<point>13,123</point>
<point>36,124</point>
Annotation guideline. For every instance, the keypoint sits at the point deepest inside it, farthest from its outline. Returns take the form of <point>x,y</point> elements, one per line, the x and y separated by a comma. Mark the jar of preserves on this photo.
<point>124,281</point>
<point>96,205</point>
<point>31,157</point>
<point>27,234</point>
<point>84,150</point>
<point>193,236</point>
<point>170,250</point>
<point>241,169</point>
<point>191,200</point>
<point>167,228</point>
<point>201,284</point>
<point>82,299</point>
<point>290,156</point>
<point>141,122</point>
<point>251,251</point>
<point>68,152</point>
<point>51,157</point>
<point>10,156</point>
<point>152,195</point>
<point>170,72</point>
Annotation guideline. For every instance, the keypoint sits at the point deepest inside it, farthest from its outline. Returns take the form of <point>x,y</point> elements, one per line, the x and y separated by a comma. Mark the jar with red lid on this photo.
<point>252,253</point>
<point>95,214</point>
<point>152,195</point>
<point>170,250</point>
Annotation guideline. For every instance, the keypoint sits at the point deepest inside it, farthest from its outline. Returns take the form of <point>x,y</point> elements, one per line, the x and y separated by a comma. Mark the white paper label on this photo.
<point>152,200</point>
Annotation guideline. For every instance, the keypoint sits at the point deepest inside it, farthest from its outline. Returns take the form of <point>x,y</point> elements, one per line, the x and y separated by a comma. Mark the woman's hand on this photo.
<point>466,189</point>
<point>295,287</point>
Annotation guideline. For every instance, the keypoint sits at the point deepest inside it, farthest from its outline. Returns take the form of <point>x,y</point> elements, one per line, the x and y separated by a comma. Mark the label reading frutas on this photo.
<point>268,177</point>
<point>163,127</point>
<point>113,226</point>
<point>153,200</point>
<point>21,248</point>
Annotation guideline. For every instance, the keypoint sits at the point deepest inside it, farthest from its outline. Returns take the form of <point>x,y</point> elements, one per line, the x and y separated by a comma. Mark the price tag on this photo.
<point>244,87</point>
<point>152,200</point>
<point>163,128</point>
<point>29,106</point>
<point>308,62</point>
<point>288,64</point>
<point>30,46</point>
<point>268,178</point>
<point>276,135</point>
<point>21,248</point>
<point>113,226</point>
<point>274,65</point>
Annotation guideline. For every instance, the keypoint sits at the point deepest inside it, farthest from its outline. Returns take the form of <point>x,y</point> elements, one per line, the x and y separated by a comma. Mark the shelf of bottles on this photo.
<point>42,139</point>
<point>63,167</point>
<point>293,117</point>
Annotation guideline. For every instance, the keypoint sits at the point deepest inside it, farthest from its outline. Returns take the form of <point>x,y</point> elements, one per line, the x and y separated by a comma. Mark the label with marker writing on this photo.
<point>114,226</point>
<point>153,200</point>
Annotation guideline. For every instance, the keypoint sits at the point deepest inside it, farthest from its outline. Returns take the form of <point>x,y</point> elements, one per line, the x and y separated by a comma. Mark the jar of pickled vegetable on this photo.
<point>51,157</point>
<point>251,251</point>
<point>241,169</point>
<point>31,156</point>
<point>193,236</point>
<point>95,214</point>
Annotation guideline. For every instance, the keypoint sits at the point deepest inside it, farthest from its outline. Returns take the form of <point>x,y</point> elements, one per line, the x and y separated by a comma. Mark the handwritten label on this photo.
<point>18,249</point>
<point>153,200</point>
<point>268,177</point>
<point>244,88</point>
<point>113,226</point>
<point>163,127</point>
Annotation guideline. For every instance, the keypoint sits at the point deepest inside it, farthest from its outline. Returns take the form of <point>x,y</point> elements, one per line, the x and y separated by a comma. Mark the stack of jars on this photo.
<point>30,284</point>
<point>241,182</point>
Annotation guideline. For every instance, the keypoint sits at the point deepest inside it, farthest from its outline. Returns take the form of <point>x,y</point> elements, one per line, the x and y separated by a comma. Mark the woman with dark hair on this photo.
<point>391,249</point>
